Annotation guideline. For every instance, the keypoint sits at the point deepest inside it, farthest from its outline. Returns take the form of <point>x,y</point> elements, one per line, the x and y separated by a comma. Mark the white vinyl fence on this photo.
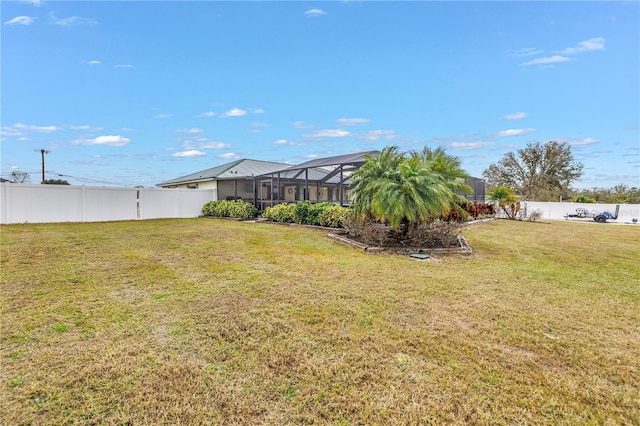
<point>23,203</point>
<point>552,210</point>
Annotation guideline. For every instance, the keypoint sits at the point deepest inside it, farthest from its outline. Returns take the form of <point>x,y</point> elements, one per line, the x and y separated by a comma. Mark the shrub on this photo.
<point>283,213</point>
<point>302,211</point>
<point>333,216</point>
<point>308,214</point>
<point>471,211</point>
<point>314,212</point>
<point>237,209</point>
<point>305,213</point>
<point>534,215</point>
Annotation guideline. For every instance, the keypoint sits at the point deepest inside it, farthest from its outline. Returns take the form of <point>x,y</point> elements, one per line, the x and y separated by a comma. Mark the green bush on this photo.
<point>302,211</point>
<point>314,212</point>
<point>237,209</point>
<point>305,213</point>
<point>333,216</point>
<point>283,213</point>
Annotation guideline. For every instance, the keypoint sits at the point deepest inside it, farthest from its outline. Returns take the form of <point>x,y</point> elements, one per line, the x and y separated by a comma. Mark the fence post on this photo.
<point>6,203</point>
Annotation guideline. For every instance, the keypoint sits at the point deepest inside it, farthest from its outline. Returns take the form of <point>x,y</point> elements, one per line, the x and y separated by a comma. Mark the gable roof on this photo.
<point>242,168</point>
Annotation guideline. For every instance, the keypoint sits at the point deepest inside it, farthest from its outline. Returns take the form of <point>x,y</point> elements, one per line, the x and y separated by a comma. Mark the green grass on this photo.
<point>217,322</point>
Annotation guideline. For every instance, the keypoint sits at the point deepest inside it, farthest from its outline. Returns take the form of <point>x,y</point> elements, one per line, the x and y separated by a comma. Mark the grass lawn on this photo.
<point>205,321</point>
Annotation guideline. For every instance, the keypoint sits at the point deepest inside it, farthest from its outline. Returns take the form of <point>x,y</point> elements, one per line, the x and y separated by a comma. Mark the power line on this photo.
<point>87,180</point>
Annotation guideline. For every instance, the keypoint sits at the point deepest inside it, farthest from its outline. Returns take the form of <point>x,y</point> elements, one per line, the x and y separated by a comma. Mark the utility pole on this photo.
<point>42,152</point>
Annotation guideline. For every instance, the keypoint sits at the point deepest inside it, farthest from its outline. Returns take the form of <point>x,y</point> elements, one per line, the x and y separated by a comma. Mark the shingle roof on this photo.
<point>236,169</point>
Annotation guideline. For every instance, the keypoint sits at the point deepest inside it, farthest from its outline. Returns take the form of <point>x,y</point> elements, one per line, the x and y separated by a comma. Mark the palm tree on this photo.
<point>506,199</point>
<point>367,178</point>
<point>405,190</point>
<point>450,167</point>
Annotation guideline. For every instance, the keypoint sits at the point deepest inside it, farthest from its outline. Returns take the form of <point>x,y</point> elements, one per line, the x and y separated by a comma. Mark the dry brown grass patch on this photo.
<point>218,322</point>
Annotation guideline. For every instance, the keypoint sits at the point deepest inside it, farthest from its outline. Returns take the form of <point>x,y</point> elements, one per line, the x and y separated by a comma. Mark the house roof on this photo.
<point>242,168</point>
<point>324,170</point>
<point>356,159</point>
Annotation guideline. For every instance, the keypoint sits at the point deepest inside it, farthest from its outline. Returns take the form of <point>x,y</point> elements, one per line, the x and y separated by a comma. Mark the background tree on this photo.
<point>19,177</point>
<point>56,182</point>
<point>584,199</point>
<point>619,194</point>
<point>537,169</point>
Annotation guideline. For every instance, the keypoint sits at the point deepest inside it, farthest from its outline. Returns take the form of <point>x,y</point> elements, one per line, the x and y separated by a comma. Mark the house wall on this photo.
<point>210,184</point>
<point>290,193</point>
<point>22,203</point>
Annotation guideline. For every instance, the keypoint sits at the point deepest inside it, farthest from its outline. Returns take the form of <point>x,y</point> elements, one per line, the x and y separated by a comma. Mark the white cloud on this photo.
<point>258,111</point>
<point>592,44</point>
<point>302,125</point>
<point>375,135</point>
<point>190,153</point>
<point>94,62</point>
<point>351,121</point>
<point>10,131</point>
<point>108,140</point>
<point>85,127</point>
<point>234,112</point>
<point>288,143</point>
<point>161,116</point>
<point>547,60</point>
<point>466,146</point>
<point>72,20</point>
<point>310,156</point>
<point>193,130</point>
<point>513,132</point>
<point>311,13</point>
<point>204,143</point>
<point>329,133</point>
<point>207,114</point>
<point>582,142</point>
<point>229,155</point>
<point>39,129</point>
<point>20,20</point>
<point>124,66</point>
<point>33,2</point>
<point>515,116</point>
<point>527,51</point>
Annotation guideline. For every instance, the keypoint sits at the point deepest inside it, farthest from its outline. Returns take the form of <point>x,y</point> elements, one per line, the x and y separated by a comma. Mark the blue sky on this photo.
<point>136,93</point>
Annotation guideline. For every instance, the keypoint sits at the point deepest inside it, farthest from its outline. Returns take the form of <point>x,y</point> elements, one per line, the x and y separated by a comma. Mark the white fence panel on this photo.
<point>37,203</point>
<point>107,204</point>
<point>554,210</point>
<point>169,203</point>
<point>24,203</point>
